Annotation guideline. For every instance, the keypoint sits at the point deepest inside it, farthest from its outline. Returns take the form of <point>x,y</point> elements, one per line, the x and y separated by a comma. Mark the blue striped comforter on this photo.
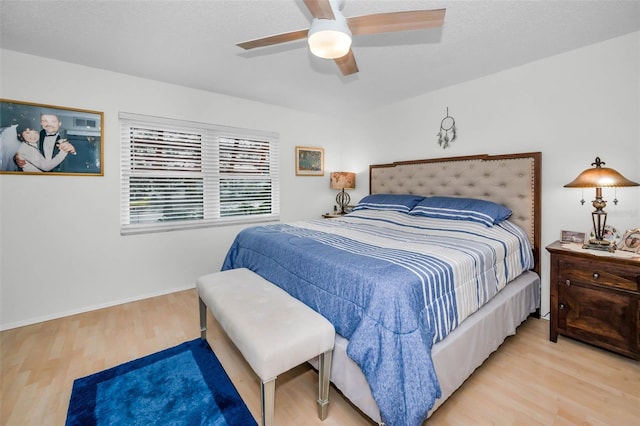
<point>391,283</point>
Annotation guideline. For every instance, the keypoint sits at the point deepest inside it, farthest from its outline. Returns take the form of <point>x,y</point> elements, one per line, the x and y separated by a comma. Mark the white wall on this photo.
<point>61,251</point>
<point>60,247</point>
<point>571,107</point>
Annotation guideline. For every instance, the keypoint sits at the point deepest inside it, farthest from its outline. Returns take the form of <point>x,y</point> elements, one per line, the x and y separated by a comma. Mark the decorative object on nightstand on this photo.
<point>342,181</point>
<point>572,237</point>
<point>630,242</point>
<point>331,215</point>
<point>595,297</point>
<point>598,178</point>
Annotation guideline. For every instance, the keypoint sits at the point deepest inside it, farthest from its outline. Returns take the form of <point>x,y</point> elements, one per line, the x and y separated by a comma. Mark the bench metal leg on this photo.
<point>203,319</point>
<point>324,377</point>
<point>267,401</point>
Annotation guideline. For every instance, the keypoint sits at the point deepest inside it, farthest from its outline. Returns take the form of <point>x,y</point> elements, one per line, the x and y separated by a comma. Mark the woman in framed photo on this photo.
<point>32,159</point>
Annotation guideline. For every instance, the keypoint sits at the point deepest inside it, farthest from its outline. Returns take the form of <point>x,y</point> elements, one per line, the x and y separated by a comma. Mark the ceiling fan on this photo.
<point>330,33</point>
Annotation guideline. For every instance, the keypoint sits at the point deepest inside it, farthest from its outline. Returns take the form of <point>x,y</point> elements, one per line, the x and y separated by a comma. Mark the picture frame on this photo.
<point>630,241</point>
<point>572,237</point>
<point>309,161</point>
<point>40,139</point>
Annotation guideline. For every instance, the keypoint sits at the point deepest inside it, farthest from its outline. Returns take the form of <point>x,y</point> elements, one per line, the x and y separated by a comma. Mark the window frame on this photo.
<point>210,173</point>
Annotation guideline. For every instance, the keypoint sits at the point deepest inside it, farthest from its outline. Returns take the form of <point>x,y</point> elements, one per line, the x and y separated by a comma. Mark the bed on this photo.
<point>420,285</point>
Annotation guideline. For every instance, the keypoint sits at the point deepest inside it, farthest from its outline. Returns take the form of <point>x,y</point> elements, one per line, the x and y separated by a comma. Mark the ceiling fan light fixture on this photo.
<point>329,38</point>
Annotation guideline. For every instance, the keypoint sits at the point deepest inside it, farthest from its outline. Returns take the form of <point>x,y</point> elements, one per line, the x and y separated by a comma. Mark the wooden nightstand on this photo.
<point>595,298</point>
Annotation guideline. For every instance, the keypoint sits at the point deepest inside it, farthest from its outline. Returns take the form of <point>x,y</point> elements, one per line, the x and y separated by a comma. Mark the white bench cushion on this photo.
<point>273,330</point>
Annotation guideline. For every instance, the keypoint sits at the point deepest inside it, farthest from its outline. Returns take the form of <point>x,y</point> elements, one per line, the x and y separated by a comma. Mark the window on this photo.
<point>181,175</point>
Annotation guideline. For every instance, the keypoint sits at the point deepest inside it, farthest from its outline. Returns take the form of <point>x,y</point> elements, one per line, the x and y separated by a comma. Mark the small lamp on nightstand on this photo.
<point>598,178</point>
<point>342,181</point>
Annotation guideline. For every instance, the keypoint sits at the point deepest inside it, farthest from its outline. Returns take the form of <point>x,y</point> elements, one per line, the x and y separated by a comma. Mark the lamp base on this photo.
<point>343,199</point>
<point>602,245</point>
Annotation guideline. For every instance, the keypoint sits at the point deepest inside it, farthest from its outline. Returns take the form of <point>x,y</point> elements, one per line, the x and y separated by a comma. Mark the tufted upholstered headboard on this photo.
<point>512,180</point>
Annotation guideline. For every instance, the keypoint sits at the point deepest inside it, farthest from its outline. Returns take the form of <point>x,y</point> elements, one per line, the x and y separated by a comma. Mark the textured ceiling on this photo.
<point>192,43</point>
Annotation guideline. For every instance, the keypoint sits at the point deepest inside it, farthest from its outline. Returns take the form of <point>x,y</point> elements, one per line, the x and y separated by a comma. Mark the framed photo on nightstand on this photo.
<point>572,237</point>
<point>630,241</point>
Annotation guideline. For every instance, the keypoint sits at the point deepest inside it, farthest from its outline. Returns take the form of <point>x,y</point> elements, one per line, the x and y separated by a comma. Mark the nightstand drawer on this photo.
<point>598,317</point>
<point>599,273</point>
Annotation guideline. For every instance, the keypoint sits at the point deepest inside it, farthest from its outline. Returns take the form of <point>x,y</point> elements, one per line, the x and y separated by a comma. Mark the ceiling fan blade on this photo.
<point>347,63</point>
<point>396,21</point>
<point>274,39</point>
<point>320,9</point>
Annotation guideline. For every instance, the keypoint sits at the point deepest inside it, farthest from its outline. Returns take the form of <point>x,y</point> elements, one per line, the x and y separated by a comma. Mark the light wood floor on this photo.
<point>528,381</point>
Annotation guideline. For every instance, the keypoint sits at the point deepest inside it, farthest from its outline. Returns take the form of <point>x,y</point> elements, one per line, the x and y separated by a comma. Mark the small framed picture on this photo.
<point>572,237</point>
<point>630,241</point>
<point>309,161</point>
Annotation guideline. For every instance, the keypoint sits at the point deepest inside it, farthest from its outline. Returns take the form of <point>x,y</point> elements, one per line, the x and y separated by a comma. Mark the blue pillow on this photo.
<point>472,209</point>
<point>389,202</point>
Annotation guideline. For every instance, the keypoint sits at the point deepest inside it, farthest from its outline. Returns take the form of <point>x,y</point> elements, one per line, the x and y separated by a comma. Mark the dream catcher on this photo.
<point>447,133</point>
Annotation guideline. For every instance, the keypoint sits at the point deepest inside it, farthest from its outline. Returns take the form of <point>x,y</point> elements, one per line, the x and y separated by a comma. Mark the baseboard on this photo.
<point>58,315</point>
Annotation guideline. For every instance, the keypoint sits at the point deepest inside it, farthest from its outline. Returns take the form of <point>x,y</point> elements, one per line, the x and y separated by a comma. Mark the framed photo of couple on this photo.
<point>50,140</point>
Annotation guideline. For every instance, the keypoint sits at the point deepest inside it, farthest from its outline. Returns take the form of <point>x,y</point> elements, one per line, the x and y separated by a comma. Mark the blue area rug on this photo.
<point>183,385</point>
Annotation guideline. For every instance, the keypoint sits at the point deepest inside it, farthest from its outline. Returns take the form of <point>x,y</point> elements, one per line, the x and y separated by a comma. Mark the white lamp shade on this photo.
<point>329,38</point>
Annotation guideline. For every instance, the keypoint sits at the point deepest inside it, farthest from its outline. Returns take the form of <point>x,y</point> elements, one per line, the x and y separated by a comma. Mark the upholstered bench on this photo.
<point>273,330</point>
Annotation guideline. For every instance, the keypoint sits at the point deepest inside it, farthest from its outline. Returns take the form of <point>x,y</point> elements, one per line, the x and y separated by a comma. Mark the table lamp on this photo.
<point>342,181</point>
<point>598,178</point>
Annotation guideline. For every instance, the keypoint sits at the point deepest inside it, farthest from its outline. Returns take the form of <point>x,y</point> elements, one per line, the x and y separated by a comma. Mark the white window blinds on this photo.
<point>180,175</point>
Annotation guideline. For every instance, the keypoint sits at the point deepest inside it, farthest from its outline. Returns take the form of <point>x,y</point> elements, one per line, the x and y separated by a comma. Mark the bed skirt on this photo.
<point>457,356</point>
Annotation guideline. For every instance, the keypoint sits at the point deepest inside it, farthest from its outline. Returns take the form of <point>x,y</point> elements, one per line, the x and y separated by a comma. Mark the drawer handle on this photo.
<point>596,275</point>
<point>568,283</point>
<point>562,306</point>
